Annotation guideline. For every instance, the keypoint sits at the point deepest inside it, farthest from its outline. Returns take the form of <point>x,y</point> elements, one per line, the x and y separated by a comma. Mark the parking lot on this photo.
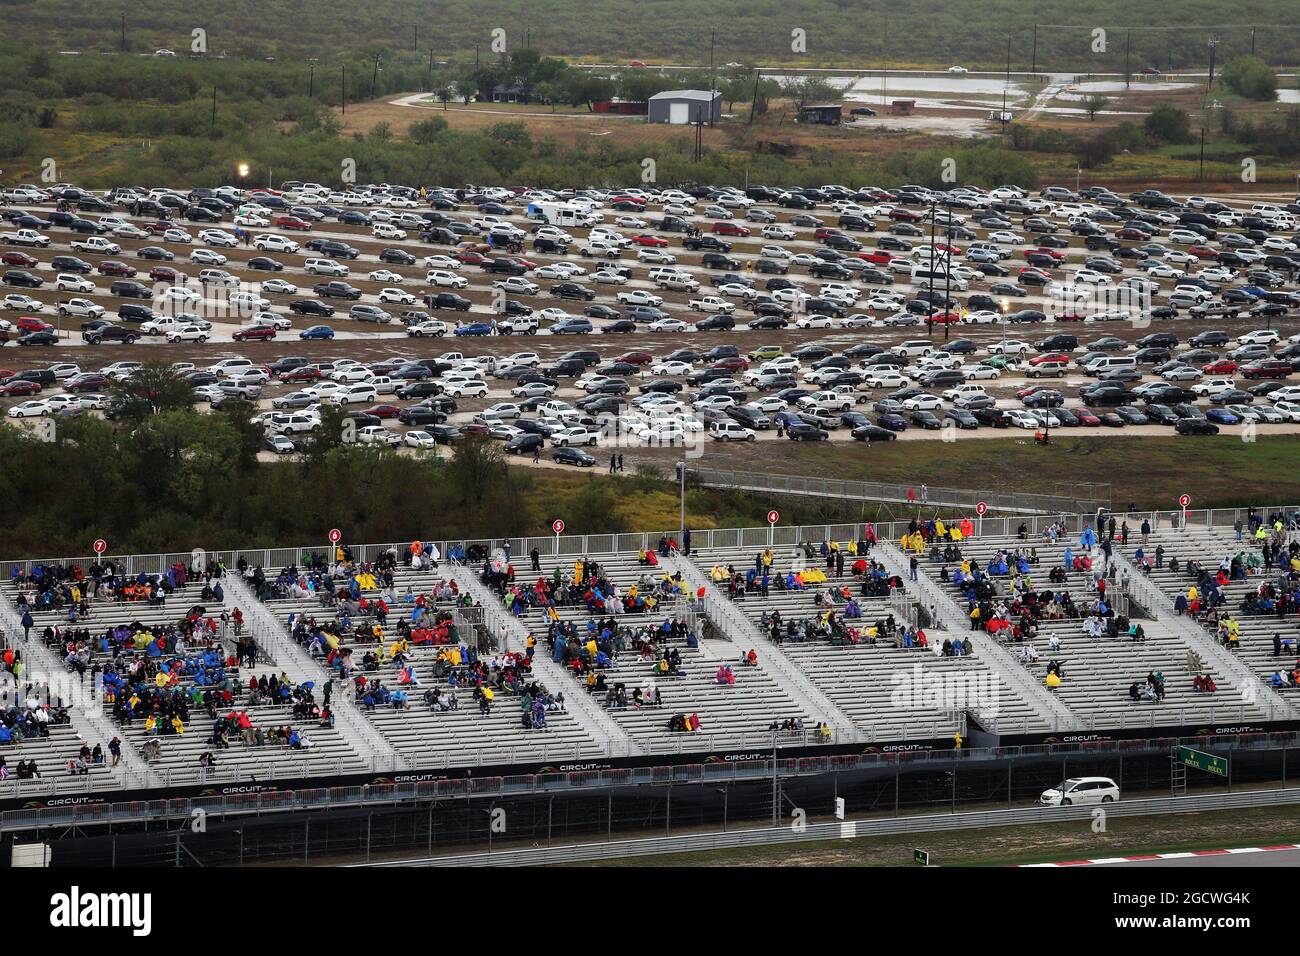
<point>836,325</point>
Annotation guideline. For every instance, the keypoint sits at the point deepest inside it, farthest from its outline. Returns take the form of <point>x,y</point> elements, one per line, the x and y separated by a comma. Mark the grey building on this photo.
<point>685,106</point>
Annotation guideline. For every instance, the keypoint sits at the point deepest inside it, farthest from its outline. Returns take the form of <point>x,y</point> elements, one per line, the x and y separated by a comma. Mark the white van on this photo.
<point>924,274</point>
<point>1078,791</point>
<point>1111,362</point>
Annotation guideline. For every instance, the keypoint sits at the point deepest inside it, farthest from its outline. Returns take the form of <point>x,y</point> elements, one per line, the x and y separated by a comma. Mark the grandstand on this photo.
<point>446,629</point>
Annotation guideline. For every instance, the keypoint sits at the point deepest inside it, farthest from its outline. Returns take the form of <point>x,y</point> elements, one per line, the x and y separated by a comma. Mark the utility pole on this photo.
<point>123,32</point>
<point>1006,83</point>
<point>374,77</point>
<point>212,126</point>
<point>1128,72</point>
<point>1214,47</point>
<point>343,87</point>
<point>933,223</point>
<point>1201,175</point>
<point>713,76</point>
<point>884,79</point>
<point>476,50</point>
<point>1252,41</point>
<point>311,80</point>
<point>1033,69</point>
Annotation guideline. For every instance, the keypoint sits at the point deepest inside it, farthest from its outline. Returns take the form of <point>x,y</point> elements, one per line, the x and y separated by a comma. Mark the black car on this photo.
<point>572,456</point>
<point>311,307</point>
<point>39,338</point>
<point>155,252</point>
<point>870,433</point>
<point>1195,426</point>
<point>620,327</point>
<point>716,323</point>
<point>806,432</point>
<point>572,290</point>
<point>525,444</point>
<point>397,256</point>
<point>108,332</point>
<point>1162,414</point>
<point>19,277</point>
<point>601,312</point>
<point>447,300</point>
<point>265,264</point>
<point>420,415</point>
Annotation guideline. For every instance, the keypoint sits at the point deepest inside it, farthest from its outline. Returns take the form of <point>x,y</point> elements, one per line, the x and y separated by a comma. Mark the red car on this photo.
<point>1033,270</point>
<point>732,364</point>
<point>1129,232</point>
<point>19,387</point>
<point>729,229</point>
<point>904,215</point>
<point>1071,316</point>
<point>471,257</point>
<point>29,323</point>
<point>86,382</point>
<point>1049,357</point>
<point>1086,417</point>
<point>635,358</point>
<point>166,274</point>
<point>292,222</point>
<point>258,333</point>
<point>951,250</point>
<point>158,227</point>
<point>879,256</point>
<point>382,411</point>
<point>1220,367</point>
<point>636,199</point>
<point>1267,368</point>
<point>21,259</point>
<point>1203,252</point>
<point>1056,254</point>
<point>644,240</point>
<point>304,374</point>
<point>1026,392</point>
<point>111,267</point>
<point>945,318</point>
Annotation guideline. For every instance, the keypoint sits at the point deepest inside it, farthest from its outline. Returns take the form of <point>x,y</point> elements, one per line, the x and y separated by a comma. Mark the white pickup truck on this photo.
<point>82,307</point>
<point>712,303</point>
<point>25,237</point>
<point>97,244</point>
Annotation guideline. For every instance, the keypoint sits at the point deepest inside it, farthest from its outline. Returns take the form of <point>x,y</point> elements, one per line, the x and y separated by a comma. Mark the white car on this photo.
<point>188,333</point>
<point>377,435</point>
<point>362,392</point>
<point>419,439</point>
<point>958,69</point>
<point>71,282</point>
<point>671,368</point>
<point>1080,791</point>
<point>1009,347</point>
<point>449,280</point>
<point>814,321</point>
<point>32,409</point>
<point>657,256</point>
<point>442,262</point>
<point>16,301</point>
<point>923,403</point>
<point>533,390</point>
<point>572,435</point>
<point>502,410</point>
<point>668,325</point>
<point>219,237</point>
<point>279,287</point>
<point>980,372</point>
<point>471,388</point>
<point>206,257</point>
<point>1259,337</point>
<point>396,295</point>
<point>609,278</point>
<point>1020,418</point>
<point>386,230</point>
<point>884,378</point>
<point>1288,410</point>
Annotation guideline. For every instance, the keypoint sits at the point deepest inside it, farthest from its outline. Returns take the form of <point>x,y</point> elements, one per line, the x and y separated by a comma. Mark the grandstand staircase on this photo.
<point>514,636</point>
<point>275,641</point>
<point>743,634</point>
<point>929,592</point>
<point>85,708</point>
<point>1254,692</point>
